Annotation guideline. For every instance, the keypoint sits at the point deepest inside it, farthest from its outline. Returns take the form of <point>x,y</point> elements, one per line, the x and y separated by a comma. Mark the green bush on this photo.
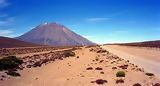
<point>149,74</point>
<point>13,73</point>
<point>120,74</point>
<point>69,53</point>
<point>9,62</point>
<point>15,59</point>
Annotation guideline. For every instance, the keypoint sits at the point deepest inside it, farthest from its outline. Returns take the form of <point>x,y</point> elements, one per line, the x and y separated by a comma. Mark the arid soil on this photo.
<point>23,50</point>
<point>91,66</point>
<point>147,58</point>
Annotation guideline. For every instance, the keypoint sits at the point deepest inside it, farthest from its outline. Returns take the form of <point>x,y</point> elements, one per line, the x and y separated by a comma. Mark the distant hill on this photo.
<point>54,34</point>
<point>6,42</point>
<point>155,44</point>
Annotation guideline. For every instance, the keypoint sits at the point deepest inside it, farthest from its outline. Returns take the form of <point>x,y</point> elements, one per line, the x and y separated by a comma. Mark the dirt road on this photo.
<point>147,58</point>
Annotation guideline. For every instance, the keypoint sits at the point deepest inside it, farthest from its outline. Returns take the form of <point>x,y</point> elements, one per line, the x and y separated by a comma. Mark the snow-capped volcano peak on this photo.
<point>45,23</point>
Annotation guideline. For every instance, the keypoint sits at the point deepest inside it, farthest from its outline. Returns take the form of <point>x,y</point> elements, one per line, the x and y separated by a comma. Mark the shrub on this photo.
<point>89,68</point>
<point>123,66</point>
<point>13,73</point>
<point>9,62</point>
<point>69,53</point>
<point>137,84</point>
<point>120,74</point>
<point>101,81</point>
<point>119,81</point>
<point>149,74</point>
<point>101,51</point>
<point>114,67</point>
<point>98,68</point>
<point>102,72</point>
<point>77,56</point>
<point>157,84</point>
<point>15,59</point>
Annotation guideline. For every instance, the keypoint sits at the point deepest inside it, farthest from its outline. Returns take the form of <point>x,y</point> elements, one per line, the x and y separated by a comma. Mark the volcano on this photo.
<point>54,34</point>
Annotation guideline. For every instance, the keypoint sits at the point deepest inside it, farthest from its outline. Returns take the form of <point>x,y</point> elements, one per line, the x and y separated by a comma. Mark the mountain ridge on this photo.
<point>6,42</point>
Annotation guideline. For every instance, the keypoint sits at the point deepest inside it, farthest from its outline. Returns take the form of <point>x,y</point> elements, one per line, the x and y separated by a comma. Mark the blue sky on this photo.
<point>101,21</point>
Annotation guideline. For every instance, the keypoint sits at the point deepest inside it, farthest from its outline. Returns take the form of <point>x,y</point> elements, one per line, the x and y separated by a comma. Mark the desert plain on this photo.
<point>83,66</point>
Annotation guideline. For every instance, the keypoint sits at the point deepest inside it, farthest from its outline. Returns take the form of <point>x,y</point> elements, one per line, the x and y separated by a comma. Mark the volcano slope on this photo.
<point>54,34</point>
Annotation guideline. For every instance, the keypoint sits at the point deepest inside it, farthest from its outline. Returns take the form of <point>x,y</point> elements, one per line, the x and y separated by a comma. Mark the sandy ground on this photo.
<point>37,53</point>
<point>72,72</point>
<point>146,58</point>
